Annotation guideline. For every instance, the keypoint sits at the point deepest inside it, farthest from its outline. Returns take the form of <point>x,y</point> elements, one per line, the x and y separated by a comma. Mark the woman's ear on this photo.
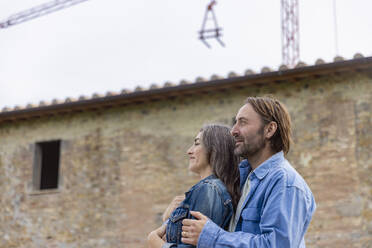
<point>270,129</point>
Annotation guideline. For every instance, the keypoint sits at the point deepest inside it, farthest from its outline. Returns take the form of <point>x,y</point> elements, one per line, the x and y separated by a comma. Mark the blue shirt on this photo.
<point>210,197</point>
<point>276,213</point>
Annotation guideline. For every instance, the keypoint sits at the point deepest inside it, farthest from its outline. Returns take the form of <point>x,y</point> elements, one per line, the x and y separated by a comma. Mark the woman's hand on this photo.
<point>172,206</point>
<point>154,239</point>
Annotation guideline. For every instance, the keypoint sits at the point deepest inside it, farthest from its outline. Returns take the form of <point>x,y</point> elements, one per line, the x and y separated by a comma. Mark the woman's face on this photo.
<point>198,162</point>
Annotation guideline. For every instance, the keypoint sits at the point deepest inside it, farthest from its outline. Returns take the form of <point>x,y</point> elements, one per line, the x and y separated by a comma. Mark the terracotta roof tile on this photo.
<point>183,82</point>
<point>319,62</point>
<point>200,80</point>
<point>70,99</point>
<point>43,103</point>
<point>283,68</point>
<point>138,88</point>
<point>96,95</point>
<point>266,69</point>
<point>214,77</point>
<point>232,75</point>
<point>125,91</point>
<point>249,72</point>
<point>30,105</point>
<point>338,59</point>
<point>358,56</point>
<point>56,101</point>
<point>6,109</point>
<point>300,64</point>
<point>168,84</point>
<point>111,93</point>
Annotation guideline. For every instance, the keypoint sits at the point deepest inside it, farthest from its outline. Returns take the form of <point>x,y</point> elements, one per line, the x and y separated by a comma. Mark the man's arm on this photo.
<point>283,224</point>
<point>191,229</point>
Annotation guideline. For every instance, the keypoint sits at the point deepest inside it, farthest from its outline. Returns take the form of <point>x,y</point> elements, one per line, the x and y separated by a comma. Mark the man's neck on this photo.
<point>260,157</point>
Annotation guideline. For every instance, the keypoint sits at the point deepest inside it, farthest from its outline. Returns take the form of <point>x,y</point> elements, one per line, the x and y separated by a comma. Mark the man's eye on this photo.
<point>242,123</point>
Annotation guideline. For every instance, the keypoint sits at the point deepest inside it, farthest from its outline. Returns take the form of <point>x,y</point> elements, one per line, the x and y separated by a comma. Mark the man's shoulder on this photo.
<point>288,175</point>
<point>293,183</point>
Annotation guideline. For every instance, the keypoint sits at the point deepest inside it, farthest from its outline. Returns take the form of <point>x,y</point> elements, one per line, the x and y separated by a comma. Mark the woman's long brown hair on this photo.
<point>220,145</point>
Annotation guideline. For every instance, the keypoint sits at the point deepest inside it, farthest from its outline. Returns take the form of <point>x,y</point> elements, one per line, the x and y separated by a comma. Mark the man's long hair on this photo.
<point>220,145</point>
<point>270,109</point>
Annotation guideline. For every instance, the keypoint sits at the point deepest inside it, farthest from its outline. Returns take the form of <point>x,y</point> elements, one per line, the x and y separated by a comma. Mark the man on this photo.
<point>276,205</point>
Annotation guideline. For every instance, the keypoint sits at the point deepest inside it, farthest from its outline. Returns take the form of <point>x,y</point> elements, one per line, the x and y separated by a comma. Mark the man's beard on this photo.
<point>250,145</point>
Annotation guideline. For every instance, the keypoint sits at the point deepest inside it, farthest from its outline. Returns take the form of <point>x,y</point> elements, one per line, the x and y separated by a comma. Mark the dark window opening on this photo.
<point>47,168</point>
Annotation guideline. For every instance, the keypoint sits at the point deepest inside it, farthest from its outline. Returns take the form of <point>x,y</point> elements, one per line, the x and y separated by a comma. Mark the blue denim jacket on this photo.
<point>210,197</point>
<point>276,213</point>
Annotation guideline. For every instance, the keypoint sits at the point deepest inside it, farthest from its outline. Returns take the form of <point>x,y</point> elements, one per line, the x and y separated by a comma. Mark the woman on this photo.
<point>216,195</point>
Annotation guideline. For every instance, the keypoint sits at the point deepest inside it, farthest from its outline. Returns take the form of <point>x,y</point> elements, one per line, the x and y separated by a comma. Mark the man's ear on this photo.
<point>270,129</point>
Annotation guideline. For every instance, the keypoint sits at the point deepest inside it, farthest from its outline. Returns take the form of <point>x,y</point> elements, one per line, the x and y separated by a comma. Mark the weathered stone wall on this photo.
<point>120,167</point>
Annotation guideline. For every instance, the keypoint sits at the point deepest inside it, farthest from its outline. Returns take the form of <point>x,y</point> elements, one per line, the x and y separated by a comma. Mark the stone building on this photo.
<point>99,171</point>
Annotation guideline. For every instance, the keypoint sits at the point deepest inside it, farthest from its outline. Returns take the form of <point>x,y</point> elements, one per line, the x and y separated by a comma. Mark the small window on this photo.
<point>46,165</point>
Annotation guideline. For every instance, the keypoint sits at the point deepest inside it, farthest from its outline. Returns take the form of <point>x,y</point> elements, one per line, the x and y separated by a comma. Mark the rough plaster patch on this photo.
<point>305,159</point>
<point>351,208</point>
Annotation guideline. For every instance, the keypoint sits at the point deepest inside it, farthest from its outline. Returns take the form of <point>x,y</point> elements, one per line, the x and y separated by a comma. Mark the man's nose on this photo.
<point>234,131</point>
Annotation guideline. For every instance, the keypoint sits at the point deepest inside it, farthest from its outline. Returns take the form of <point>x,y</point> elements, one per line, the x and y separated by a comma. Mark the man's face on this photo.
<point>248,132</point>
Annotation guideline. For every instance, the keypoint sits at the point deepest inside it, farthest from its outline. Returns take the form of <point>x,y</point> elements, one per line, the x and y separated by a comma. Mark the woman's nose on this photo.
<point>189,151</point>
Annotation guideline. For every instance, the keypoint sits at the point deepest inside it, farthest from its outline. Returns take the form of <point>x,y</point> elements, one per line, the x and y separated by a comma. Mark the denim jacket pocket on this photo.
<point>174,226</point>
<point>251,220</point>
<point>179,216</point>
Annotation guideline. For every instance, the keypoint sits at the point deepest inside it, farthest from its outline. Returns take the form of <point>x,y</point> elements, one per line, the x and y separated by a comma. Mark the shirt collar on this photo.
<point>264,168</point>
<point>212,176</point>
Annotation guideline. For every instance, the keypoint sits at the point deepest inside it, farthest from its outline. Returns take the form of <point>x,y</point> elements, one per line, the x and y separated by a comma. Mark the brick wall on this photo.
<point>120,167</point>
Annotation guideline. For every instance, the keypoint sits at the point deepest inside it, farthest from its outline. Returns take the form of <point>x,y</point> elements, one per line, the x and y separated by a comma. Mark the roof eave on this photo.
<point>359,64</point>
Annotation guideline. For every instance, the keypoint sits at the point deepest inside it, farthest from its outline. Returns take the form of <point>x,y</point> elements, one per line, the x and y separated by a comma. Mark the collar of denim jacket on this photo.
<point>261,171</point>
<point>208,178</point>
<point>264,168</point>
<point>244,163</point>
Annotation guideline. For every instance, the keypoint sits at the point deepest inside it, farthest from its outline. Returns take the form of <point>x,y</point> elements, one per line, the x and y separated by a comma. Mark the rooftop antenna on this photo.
<point>215,31</point>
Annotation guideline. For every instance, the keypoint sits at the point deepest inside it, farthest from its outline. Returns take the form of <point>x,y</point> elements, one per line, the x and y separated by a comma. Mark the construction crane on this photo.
<point>214,31</point>
<point>290,30</point>
<point>290,33</point>
<point>40,10</point>
<point>289,24</point>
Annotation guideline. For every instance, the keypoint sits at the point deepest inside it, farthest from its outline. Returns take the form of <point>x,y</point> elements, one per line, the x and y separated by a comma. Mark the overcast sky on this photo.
<point>110,45</point>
